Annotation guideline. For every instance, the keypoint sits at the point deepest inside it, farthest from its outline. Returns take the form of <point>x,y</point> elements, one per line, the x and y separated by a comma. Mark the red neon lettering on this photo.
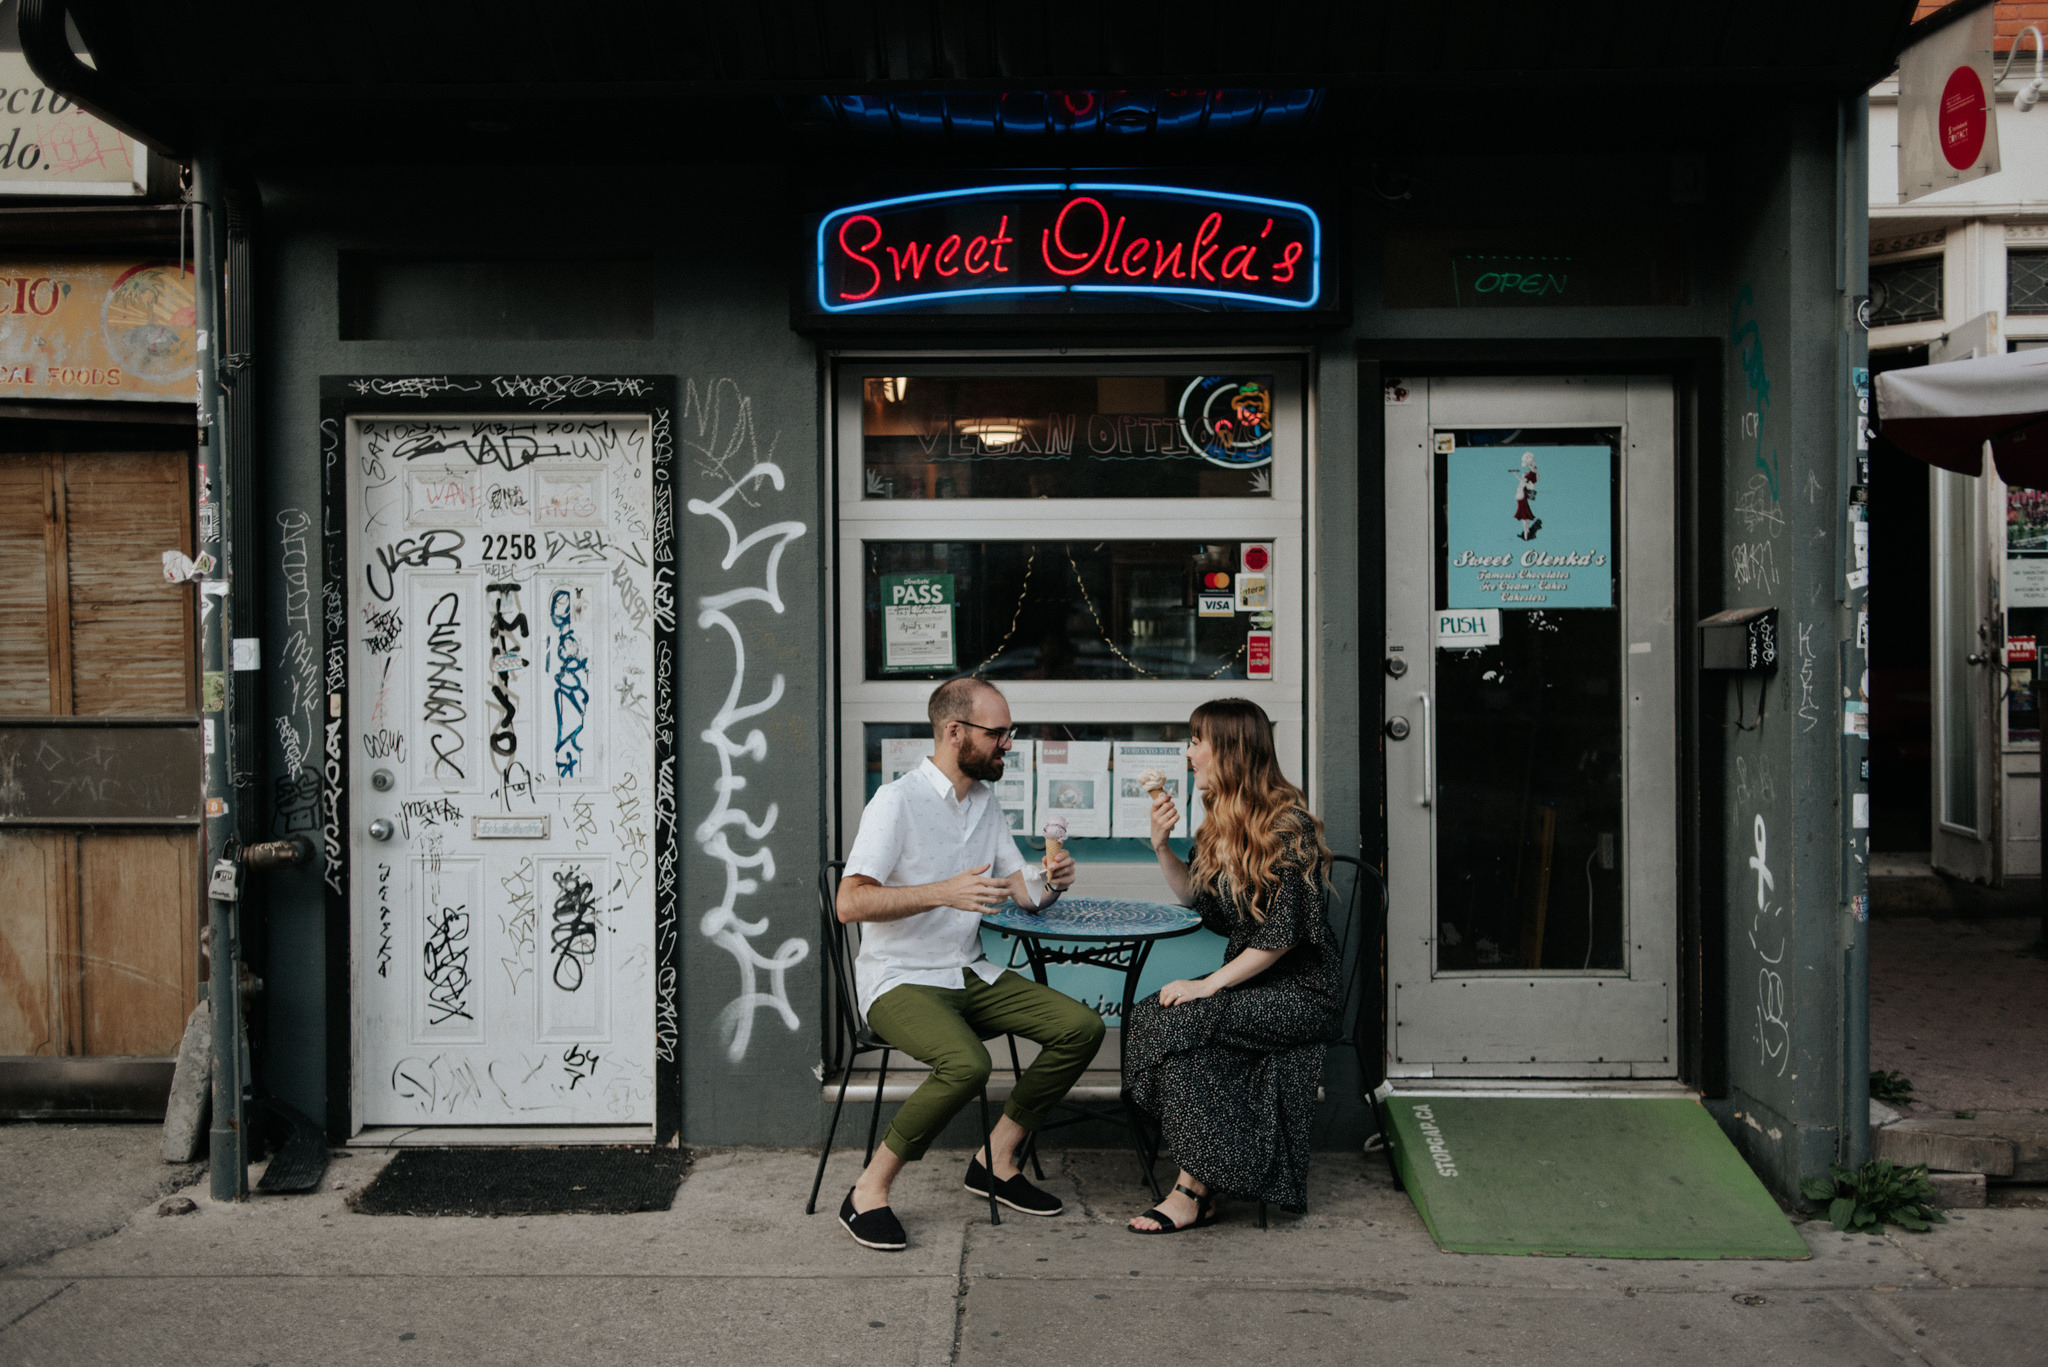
<point>1109,257</point>
<point>1289,254</point>
<point>909,253</point>
<point>949,248</point>
<point>54,296</point>
<point>1162,259</point>
<point>1056,236</point>
<point>1267,229</point>
<point>976,251</point>
<point>1134,256</point>
<point>1198,255</point>
<point>855,253</point>
<point>1001,240</point>
<point>1243,269</point>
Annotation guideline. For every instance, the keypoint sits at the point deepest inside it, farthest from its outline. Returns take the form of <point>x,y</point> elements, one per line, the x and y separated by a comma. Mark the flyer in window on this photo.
<point>1528,527</point>
<point>1016,789</point>
<point>1074,783</point>
<point>1135,759</point>
<point>899,757</point>
<point>917,622</point>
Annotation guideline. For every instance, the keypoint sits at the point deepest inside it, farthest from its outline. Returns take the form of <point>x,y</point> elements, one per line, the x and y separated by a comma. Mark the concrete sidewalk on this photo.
<point>735,1272</point>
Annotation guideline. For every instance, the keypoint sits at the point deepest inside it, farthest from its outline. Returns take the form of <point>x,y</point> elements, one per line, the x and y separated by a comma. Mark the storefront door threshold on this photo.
<point>1556,1089</point>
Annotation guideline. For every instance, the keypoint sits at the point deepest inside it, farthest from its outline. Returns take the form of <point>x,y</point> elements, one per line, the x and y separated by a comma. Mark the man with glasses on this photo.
<point>933,856</point>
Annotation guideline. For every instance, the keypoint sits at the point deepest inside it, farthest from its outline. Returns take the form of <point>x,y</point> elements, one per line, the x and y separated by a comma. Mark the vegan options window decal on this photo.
<point>1011,243</point>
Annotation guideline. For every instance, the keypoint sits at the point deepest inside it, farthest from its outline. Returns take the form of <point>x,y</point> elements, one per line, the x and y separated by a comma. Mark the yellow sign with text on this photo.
<point>96,330</point>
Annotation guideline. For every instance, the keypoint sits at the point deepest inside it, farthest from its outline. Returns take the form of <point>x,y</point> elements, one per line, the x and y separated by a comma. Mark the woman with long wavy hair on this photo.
<point>1228,1064</point>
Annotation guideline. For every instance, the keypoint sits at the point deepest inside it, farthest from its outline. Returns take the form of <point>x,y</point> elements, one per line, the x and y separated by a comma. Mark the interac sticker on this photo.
<point>917,622</point>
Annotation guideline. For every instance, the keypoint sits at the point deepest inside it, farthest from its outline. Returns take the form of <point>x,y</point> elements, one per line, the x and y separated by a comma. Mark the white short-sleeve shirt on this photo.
<point>914,831</point>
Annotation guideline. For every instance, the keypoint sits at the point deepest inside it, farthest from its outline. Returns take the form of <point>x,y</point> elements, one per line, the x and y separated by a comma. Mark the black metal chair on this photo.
<point>1340,904</point>
<point>848,1035</point>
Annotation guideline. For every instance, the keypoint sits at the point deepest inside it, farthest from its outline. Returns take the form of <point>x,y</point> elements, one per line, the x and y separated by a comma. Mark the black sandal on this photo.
<point>1205,1214</point>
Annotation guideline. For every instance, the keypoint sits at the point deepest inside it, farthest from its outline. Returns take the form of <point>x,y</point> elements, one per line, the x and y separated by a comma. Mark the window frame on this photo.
<point>1280,518</point>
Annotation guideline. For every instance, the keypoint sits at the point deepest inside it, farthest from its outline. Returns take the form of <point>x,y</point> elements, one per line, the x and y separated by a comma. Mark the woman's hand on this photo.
<point>1165,816</point>
<point>1187,990</point>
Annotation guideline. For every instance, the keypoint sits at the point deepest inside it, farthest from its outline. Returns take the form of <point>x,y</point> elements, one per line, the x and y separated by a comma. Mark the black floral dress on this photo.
<point>1232,1079</point>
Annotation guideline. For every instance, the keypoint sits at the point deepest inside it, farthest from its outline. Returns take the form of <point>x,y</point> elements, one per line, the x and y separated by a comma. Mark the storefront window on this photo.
<point>1060,609</point>
<point>1106,538</point>
<point>1068,436</point>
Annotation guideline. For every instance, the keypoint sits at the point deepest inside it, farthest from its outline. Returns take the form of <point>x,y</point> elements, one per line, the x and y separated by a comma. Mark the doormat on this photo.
<point>1600,1177</point>
<point>483,1181</point>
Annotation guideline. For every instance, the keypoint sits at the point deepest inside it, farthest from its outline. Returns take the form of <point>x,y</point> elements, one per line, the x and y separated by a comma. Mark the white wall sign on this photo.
<point>1948,120</point>
<point>49,146</point>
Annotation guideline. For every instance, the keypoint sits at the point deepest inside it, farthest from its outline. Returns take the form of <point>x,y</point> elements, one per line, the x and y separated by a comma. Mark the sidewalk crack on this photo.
<point>37,1306</point>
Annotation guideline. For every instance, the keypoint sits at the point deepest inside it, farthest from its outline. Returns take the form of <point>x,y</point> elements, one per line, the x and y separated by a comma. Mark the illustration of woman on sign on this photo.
<point>1525,493</point>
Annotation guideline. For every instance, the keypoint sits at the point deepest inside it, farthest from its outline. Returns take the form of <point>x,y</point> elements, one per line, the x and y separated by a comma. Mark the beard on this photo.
<point>988,768</point>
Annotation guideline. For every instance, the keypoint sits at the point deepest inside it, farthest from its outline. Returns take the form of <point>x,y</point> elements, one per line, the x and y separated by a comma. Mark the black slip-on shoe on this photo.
<point>1016,1192</point>
<point>877,1228</point>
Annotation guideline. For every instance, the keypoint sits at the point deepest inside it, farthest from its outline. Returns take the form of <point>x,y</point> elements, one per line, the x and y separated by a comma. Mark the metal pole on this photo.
<point>1853,281</point>
<point>227,1148</point>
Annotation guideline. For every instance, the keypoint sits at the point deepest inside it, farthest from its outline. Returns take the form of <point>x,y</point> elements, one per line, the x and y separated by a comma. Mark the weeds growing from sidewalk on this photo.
<point>1891,1087</point>
<point>1875,1195</point>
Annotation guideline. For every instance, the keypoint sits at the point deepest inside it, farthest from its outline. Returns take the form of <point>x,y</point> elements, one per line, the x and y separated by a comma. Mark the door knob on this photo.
<point>380,829</point>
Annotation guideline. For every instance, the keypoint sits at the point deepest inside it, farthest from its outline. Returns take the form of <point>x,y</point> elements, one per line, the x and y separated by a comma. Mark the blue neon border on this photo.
<point>1315,252</point>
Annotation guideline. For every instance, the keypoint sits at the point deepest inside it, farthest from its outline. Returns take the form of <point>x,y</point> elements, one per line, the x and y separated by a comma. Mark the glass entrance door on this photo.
<point>1531,761</point>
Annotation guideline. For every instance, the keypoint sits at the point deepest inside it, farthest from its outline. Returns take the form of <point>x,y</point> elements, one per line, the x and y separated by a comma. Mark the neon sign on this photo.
<point>1069,246</point>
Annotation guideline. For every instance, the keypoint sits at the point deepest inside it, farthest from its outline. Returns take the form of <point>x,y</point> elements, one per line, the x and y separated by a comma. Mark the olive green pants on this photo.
<point>943,1027</point>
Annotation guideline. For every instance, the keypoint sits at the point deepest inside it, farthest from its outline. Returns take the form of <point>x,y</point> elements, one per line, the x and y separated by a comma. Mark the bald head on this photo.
<point>954,700</point>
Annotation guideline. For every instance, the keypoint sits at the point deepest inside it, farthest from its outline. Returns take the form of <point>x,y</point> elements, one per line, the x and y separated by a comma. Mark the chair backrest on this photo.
<point>1358,913</point>
<point>842,1010</point>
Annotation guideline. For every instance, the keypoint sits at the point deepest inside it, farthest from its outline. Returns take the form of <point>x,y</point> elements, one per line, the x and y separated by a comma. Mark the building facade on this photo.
<point>616,501</point>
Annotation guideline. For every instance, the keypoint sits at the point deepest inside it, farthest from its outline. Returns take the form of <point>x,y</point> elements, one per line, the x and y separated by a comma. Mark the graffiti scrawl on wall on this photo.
<point>719,430</point>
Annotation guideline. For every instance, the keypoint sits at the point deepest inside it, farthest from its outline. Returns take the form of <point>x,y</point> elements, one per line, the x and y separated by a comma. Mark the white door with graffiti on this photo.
<point>499,721</point>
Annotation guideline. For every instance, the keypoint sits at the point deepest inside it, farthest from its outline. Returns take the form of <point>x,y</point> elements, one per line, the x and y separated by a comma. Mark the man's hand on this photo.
<point>1059,871</point>
<point>970,891</point>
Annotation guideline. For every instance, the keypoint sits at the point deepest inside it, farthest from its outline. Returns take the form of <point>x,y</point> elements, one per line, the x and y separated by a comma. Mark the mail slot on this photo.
<point>1740,638</point>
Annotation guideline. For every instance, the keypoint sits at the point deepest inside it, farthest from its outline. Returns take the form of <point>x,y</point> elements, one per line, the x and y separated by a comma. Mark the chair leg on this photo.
<point>875,1120</point>
<point>845,1076</point>
<point>1031,1142</point>
<point>1262,1213</point>
<point>988,1147</point>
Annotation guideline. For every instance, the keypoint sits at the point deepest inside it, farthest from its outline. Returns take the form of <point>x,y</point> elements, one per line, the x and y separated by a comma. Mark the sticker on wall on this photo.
<point>1446,442</point>
<point>1468,628</point>
<point>1258,655</point>
<point>1529,527</point>
<point>917,622</point>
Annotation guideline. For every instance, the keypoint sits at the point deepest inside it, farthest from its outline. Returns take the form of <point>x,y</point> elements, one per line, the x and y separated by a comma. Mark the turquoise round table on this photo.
<point>1100,932</point>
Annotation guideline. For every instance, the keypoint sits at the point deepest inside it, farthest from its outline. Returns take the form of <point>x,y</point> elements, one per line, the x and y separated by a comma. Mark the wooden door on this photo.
<point>99,944</point>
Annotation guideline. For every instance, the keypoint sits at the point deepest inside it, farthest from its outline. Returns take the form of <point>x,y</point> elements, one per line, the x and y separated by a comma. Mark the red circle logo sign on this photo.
<point>1255,558</point>
<point>1963,119</point>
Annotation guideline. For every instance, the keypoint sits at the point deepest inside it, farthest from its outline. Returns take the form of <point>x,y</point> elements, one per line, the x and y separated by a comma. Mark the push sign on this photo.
<point>1467,628</point>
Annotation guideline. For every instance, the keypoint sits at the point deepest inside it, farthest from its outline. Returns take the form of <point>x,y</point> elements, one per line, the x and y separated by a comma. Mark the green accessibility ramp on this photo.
<point>1604,1177</point>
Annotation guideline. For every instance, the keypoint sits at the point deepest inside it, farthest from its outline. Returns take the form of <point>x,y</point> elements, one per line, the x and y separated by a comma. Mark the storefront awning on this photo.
<point>652,79</point>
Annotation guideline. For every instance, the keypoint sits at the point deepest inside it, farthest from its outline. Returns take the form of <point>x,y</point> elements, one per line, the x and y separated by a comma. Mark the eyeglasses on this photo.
<point>1001,733</point>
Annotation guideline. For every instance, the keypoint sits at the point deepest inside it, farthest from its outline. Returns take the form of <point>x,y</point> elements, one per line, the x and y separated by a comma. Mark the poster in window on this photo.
<point>1133,811</point>
<point>1017,787</point>
<point>2026,548</point>
<point>1528,527</point>
<point>917,622</point>
<point>1074,782</point>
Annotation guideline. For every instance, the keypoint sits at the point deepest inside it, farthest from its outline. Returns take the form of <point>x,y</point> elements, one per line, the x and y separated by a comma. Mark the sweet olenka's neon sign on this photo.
<point>955,248</point>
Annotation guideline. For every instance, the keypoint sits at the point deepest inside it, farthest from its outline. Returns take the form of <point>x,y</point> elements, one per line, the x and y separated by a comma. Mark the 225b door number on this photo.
<point>509,546</point>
